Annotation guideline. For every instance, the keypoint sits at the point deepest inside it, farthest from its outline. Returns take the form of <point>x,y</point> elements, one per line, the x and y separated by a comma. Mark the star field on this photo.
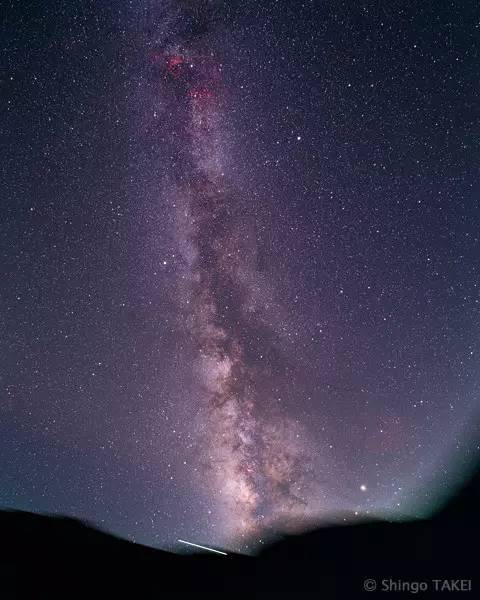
<point>240,262</point>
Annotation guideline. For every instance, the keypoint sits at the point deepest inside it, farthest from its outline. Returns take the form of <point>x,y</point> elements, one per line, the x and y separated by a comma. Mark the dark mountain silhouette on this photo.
<point>55,557</point>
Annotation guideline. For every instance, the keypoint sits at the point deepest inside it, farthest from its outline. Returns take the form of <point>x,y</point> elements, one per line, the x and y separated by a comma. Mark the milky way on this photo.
<point>255,461</point>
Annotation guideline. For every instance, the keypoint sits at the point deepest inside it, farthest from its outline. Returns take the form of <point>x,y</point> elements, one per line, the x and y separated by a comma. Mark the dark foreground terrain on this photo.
<point>52,557</point>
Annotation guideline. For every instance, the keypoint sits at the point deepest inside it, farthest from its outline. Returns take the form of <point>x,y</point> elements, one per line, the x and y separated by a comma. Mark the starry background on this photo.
<point>349,133</point>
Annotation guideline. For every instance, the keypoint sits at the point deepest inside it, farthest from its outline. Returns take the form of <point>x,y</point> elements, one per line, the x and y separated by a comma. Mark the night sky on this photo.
<point>239,261</point>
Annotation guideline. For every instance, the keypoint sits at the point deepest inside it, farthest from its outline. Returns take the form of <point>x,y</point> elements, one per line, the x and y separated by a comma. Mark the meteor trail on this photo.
<point>203,547</point>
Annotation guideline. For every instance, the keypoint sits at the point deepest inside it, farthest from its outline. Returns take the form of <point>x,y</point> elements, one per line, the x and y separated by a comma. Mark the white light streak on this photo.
<point>203,547</point>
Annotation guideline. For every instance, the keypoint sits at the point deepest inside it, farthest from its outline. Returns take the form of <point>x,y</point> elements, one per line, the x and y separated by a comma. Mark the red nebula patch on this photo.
<point>174,64</point>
